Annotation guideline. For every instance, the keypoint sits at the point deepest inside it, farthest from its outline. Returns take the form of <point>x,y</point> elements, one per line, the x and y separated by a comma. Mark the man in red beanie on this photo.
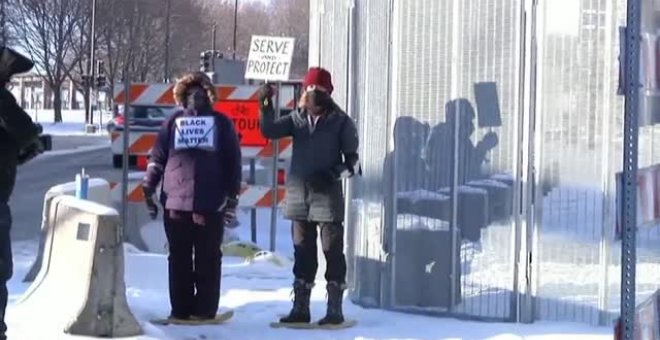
<point>325,145</point>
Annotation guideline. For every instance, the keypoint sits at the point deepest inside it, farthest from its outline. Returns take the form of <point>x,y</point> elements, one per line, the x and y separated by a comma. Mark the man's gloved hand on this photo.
<point>152,207</point>
<point>230,212</point>
<point>322,180</point>
<point>34,149</point>
<point>266,93</point>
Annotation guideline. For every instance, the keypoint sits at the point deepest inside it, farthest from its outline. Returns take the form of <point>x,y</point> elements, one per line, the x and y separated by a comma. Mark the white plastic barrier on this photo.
<point>80,288</point>
<point>98,191</point>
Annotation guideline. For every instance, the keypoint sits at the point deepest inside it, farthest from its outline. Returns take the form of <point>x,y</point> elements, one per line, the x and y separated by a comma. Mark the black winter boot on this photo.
<point>300,311</point>
<point>334,315</point>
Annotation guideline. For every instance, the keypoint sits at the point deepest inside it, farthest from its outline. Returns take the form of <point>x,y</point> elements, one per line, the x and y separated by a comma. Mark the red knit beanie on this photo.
<point>320,77</point>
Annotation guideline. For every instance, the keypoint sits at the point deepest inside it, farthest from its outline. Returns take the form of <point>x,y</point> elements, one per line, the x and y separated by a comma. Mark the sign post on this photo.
<point>270,60</point>
<point>125,158</point>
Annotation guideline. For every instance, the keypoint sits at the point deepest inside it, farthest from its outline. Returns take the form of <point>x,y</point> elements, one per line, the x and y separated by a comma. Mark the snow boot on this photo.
<point>300,312</point>
<point>334,314</point>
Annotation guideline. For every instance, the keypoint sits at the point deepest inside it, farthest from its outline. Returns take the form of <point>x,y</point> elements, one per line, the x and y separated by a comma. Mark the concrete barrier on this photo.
<point>81,288</point>
<point>98,191</point>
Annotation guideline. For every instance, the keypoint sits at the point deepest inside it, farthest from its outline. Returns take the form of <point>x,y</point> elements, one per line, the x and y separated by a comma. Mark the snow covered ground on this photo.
<point>73,122</point>
<point>259,291</point>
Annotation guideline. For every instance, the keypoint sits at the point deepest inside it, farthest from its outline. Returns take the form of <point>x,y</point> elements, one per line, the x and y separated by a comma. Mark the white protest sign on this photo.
<point>194,133</point>
<point>270,58</point>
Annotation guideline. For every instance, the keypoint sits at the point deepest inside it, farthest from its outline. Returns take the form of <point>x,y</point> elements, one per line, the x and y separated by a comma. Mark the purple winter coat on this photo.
<point>194,179</point>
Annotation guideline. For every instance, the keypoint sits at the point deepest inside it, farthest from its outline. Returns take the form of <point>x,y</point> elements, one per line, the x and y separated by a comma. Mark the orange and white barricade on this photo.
<point>252,196</point>
<point>239,102</point>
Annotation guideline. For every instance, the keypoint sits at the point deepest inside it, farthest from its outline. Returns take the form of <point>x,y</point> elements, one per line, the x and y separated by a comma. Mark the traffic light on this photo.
<point>205,61</point>
<point>86,80</point>
<point>101,80</point>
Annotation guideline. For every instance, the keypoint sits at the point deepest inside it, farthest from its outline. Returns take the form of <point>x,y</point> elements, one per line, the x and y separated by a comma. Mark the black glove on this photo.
<point>152,207</point>
<point>322,180</point>
<point>33,150</point>
<point>266,96</point>
<point>230,212</point>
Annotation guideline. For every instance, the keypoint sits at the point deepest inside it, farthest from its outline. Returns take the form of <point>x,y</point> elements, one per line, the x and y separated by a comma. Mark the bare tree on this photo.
<point>146,62</point>
<point>80,45</point>
<point>113,28</point>
<point>45,29</point>
<point>253,19</point>
<point>280,18</point>
<point>298,28</point>
<point>191,33</point>
<point>4,27</point>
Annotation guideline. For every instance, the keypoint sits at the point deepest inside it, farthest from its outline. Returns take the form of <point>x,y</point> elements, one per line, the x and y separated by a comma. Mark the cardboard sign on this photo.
<point>245,115</point>
<point>269,58</point>
<point>488,105</point>
<point>194,133</point>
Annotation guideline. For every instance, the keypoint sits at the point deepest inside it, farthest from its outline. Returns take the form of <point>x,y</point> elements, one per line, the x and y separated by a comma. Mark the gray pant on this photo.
<point>6,265</point>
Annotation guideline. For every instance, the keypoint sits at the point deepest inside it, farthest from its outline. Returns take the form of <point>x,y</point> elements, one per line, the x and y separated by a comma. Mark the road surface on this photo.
<point>39,175</point>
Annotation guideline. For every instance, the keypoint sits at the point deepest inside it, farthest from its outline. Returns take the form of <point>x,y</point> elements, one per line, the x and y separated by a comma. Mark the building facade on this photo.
<point>33,92</point>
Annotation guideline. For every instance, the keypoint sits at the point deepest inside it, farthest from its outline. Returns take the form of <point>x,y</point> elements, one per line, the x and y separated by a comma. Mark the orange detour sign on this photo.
<point>245,115</point>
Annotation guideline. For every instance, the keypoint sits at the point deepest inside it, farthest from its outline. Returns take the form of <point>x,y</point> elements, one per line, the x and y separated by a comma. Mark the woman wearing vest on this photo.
<point>197,158</point>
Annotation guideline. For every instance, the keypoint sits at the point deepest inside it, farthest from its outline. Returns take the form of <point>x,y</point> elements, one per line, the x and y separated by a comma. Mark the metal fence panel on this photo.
<point>364,39</point>
<point>457,68</point>
<point>416,66</point>
<point>490,43</point>
<point>576,102</point>
<point>370,99</point>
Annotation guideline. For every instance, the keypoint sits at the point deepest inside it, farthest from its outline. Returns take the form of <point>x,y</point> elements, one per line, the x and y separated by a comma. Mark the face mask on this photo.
<point>197,99</point>
<point>319,99</point>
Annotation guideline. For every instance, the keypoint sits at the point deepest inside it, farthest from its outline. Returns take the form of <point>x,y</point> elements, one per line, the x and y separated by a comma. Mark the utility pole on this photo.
<point>90,70</point>
<point>168,10</point>
<point>235,28</point>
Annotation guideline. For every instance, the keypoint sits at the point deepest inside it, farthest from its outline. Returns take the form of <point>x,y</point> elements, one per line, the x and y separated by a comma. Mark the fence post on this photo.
<point>630,153</point>
<point>124,168</point>
<point>276,151</point>
<point>253,210</point>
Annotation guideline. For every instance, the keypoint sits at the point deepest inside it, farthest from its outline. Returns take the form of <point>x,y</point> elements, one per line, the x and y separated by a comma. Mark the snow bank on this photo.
<point>259,291</point>
<point>73,122</point>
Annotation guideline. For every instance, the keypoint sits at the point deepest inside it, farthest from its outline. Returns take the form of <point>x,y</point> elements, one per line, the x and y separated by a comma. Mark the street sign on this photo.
<point>245,115</point>
<point>270,58</point>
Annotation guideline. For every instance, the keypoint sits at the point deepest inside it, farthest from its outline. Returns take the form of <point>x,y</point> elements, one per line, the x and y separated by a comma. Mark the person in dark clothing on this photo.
<point>325,150</point>
<point>440,150</point>
<point>19,143</point>
<point>198,158</point>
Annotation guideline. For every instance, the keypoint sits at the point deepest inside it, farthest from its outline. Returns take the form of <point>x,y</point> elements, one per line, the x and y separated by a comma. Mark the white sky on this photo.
<point>562,17</point>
